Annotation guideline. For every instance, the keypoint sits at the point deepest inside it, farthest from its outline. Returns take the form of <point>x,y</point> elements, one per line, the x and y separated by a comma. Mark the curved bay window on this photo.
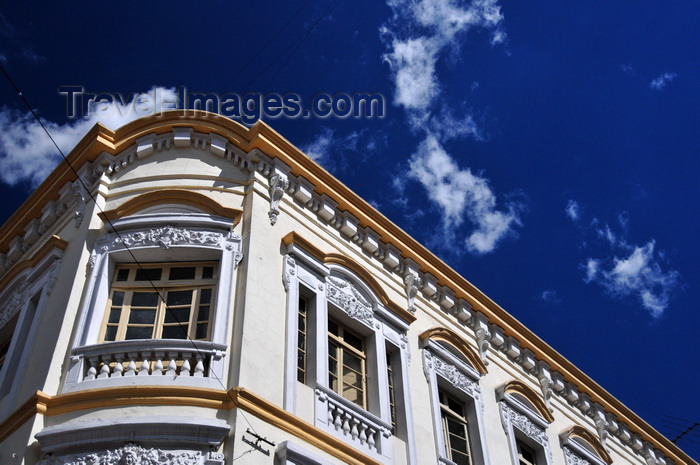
<point>160,301</point>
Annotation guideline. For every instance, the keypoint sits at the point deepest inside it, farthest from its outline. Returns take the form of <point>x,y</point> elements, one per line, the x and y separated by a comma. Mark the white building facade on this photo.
<point>206,294</point>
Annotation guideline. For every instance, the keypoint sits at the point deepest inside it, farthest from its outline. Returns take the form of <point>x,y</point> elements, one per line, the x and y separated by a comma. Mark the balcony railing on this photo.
<point>146,361</point>
<point>351,423</point>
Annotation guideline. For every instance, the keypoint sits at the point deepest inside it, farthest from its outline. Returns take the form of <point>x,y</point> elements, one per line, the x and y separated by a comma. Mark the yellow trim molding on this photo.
<point>583,435</point>
<point>523,390</point>
<point>455,340</point>
<point>238,397</point>
<point>165,196</point>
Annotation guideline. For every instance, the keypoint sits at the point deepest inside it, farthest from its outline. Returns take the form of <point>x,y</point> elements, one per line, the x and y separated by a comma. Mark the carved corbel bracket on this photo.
<point>483,337</point>
<point>544,376</point>
<point>411,282</point>
<point>601,425</point>
<point>278,184</point>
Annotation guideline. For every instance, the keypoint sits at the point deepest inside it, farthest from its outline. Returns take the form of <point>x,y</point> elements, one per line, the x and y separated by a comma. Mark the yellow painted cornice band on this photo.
<point>238,397</point>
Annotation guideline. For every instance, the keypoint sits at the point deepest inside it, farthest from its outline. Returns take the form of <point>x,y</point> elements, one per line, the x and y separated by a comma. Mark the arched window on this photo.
<point>581,446</point>
<point>525,418</point>
<point>453,370</point>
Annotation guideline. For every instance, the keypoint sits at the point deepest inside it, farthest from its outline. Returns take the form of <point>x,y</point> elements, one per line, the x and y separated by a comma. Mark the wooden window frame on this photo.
<point>130,285</point>
<point>343,348</point>
<point>446,412</point>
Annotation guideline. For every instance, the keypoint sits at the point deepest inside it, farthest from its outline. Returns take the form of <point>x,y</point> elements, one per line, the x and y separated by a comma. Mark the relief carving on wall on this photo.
<point>572,458</point>
<point>510,419</point>
<point>164,237</point>
<point>344,294</point>
<point>132,454</point>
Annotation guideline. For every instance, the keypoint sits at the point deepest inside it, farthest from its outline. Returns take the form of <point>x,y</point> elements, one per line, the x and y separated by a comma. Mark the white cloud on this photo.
<point>661,81</point>
<point>550,295</point>
<point>27,155</point>
<point>573,210</point>
<point>628,69</point>
<point>412,60</point>
<point>413,64</point>
<point>636,272</point>
<point>461,194</point>
<point>419,32</point>
<point>319,148</point>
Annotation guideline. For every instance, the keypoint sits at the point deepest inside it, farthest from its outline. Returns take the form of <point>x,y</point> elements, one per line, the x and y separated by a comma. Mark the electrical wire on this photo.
<point>111,225</point>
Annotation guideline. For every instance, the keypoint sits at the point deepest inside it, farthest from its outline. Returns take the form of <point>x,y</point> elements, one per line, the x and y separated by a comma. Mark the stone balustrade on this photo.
<point>151,361</point>
<point>352,423</point>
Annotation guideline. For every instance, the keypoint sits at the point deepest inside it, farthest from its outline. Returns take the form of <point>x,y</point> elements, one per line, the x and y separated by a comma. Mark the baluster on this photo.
<point>104,371</point>
<point>118,367</point>
<point>131,367</point>
<point>145,367</point>
<point>331,417</point>
<point>353,428</point>
<point>185,368</point>
<point>199,367</point>
<point>338,421</point>
<point>92,371</point>
<point>363,433</point>
<point>346,423</point>
<point>158,368</point>
<point>371,441</point>
<point>172,366</point>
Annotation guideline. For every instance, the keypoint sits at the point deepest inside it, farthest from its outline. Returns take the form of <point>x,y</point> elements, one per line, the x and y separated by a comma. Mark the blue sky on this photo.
<point>546,150</point>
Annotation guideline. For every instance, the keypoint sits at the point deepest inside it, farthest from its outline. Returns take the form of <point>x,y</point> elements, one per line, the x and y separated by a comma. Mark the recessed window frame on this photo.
<point>448,371</point>
<point>524,425</point>
<point>383,331</point>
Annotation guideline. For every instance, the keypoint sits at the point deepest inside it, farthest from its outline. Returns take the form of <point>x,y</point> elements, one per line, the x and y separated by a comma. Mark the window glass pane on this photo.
<point>142,316</point>
<point>139,332</point>
<point>208,272</point>
<point>174,332</point>
<point>203,314</point>
<point>353,395</point>
<point>178,315</point>
<point>202,331</point>
<point>111,333</point>
<point>144,299</point>
<point>114,315</point>
<point>352,362</point>
<point>123,274</point>
<point>179,297</point>
<point>148,274</point>
<point>205,296</point>
<point>353,340</point>
<point>332,327</point>
<point>182,272</point>
<point>117,299</point>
